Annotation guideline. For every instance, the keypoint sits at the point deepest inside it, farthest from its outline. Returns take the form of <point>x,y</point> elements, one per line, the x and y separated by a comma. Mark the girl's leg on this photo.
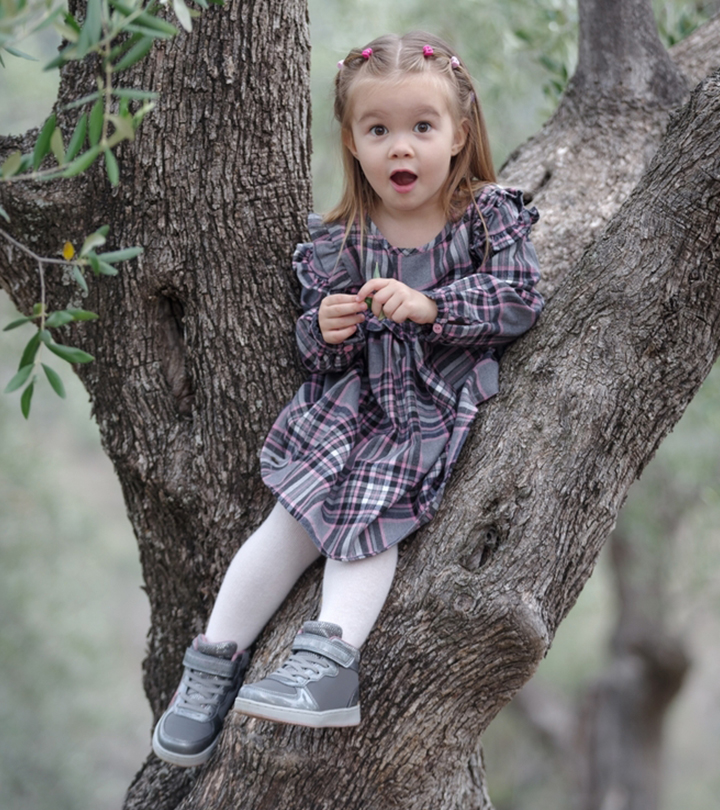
<point>319,684</point>
<point>260,576</point>
<point>354,593</point>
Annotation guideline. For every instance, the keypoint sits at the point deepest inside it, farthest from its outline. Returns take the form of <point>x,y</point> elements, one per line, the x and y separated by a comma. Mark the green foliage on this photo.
<point>30,361</point>
<point>677,20</point>
<point>19,379</point>
<point>44,320</point>
<point>77,139</point>
<point>42,145</point>
<point>103,32</point>
<point>54,380</point>
<point>111,165</point>
<point>119,33</point>
<point>20,18</point>
<point>11,165</point>
<point>549,31</point>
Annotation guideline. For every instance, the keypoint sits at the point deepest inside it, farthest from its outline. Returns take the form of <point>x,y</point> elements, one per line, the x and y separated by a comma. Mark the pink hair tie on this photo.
<point>428,50</point>
<point>367,53</point>
<point>454,63</point>
<point>341,64</point>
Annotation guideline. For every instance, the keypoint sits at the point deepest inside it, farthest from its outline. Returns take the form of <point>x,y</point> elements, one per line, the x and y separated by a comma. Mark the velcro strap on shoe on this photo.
<point>336,650</point>
<point>209,664</point>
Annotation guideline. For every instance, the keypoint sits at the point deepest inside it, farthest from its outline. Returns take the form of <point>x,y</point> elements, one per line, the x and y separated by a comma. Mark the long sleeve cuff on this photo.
<point>321,357</point>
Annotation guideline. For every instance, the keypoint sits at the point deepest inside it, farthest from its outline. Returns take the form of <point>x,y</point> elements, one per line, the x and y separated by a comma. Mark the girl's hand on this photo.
<point>339,316</point>
<point>397,301</point>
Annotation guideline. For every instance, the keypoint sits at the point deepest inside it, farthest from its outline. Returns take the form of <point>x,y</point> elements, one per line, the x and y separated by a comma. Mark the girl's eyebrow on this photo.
<point>427,110</point>
<point>372,113</point>
<point>421,112</point>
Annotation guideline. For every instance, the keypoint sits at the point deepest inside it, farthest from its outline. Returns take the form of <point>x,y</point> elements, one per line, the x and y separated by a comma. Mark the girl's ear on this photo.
<point>461,136</point>
<point>349,141</point>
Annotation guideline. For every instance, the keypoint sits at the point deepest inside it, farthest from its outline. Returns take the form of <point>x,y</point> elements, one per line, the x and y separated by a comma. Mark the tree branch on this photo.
<point>698,55</point>
<point>585,402</point>
<point>32,254</point>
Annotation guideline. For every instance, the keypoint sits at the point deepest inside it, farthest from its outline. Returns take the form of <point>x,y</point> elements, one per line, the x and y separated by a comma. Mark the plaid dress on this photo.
<point>363,452</point>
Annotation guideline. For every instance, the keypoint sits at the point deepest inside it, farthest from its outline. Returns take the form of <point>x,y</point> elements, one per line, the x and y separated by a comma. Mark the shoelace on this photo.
<point>303,665</point>
<point>203,691</point>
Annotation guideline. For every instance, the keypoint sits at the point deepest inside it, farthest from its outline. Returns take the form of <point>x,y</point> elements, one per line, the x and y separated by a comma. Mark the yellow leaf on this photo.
<point>68,251</point>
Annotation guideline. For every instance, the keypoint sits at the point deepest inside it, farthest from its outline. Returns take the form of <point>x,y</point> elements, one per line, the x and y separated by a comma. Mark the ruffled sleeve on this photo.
<point>321,272</point>
<point>499,301</point>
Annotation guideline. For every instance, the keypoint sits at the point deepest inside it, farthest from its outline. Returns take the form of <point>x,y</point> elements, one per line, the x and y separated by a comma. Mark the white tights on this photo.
<point>270,562</point>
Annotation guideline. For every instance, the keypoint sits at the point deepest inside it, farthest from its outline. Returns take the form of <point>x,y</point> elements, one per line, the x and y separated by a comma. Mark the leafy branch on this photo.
<point>31,359</point>
<point>120,33</point>
<point>20,18</point>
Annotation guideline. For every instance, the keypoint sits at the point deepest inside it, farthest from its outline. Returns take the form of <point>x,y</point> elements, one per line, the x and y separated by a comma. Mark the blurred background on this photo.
<point>74,724</point>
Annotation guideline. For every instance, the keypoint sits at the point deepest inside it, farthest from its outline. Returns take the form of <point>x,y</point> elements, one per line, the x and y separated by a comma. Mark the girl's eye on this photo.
<point>423,127</point>
<point>378,130</point>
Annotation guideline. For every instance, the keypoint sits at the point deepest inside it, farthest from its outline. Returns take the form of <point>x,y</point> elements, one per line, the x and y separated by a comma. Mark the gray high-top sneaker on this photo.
<point>188,731</point>
<point>317,686</point>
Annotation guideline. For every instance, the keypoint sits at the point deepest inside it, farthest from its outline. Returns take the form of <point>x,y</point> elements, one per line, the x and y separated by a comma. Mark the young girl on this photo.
<point>411,288</point>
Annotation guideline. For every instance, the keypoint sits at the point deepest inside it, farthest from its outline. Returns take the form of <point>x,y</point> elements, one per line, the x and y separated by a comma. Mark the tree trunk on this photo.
<point>195,357</point>
<point>609,744</point>
<point>621,60</point>
<point>195,350</point>
<point>621,729</point>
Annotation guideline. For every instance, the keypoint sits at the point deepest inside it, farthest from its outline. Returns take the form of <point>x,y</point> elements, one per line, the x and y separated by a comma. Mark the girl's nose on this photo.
<point>400,147</point>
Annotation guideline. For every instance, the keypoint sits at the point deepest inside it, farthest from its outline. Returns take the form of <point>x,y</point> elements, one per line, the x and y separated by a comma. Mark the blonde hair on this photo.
<point>393,57</point>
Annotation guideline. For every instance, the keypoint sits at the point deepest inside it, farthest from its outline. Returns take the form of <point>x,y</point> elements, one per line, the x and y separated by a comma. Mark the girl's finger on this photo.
<point>389,301</point>
<point>339,335</point>
<point>338,298</point>
<point>348,308</point>
<point>342,323</point>
<point>372,286</point>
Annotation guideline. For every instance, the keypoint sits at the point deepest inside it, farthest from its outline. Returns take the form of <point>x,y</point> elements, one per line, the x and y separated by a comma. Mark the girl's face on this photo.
<point>404,136</point>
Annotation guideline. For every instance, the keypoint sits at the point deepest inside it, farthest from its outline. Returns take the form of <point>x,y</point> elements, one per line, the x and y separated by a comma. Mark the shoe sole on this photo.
<point>332,718</point>
<point>183,760</point>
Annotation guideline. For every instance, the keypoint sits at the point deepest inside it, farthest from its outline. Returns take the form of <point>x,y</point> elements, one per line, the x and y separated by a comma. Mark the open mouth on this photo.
<point>403,178</point>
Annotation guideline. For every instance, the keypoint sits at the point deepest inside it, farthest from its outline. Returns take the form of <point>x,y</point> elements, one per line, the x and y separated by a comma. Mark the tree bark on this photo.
<point>195,357</point>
